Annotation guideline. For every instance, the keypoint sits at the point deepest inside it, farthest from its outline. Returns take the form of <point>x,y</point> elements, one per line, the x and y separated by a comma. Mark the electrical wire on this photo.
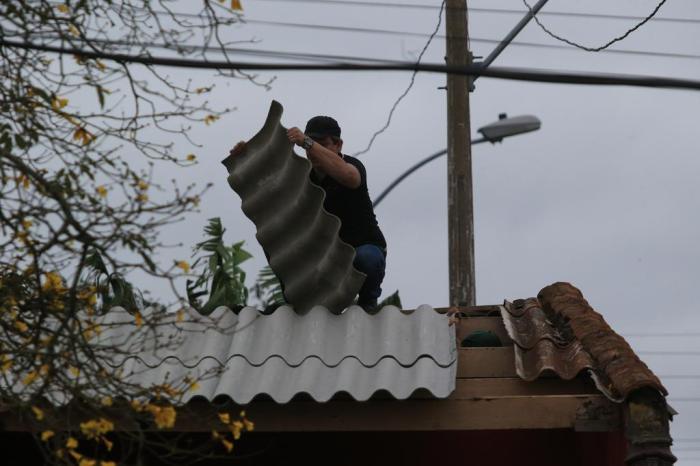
<point>662,335</point>
<point>509,11</point>
<point>517,74</point>
<point>604,46</point>
<point>408,88</point>
<point>364,30</point>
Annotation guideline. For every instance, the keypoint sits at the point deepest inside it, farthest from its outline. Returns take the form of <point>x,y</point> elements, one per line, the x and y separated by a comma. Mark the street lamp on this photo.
<point>493,133</point>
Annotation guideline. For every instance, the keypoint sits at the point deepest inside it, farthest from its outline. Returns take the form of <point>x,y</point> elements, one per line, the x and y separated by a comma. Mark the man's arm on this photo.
<point>328,161</point>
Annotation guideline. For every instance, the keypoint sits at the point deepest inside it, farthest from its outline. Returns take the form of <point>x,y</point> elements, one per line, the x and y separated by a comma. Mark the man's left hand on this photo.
<point>296,135</point>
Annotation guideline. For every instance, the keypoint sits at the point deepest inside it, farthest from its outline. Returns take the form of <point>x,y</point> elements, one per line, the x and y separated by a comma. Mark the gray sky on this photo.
<point>603,196</point>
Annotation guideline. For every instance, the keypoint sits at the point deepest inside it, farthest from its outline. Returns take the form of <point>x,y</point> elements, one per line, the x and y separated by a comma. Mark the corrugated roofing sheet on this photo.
<point>298,236</point>
<point>284,354</point>
<point>560,333</point>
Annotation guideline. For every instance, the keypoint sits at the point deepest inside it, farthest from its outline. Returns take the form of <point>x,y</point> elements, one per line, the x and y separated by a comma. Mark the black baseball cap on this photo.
<point>321,126</point>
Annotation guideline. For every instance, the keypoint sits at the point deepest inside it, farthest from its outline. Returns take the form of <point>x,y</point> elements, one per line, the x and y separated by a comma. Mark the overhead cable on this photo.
<point>408,88</point>
<point>517,74</point>
<point>604,46</point>
<point>509,11</point>
<point>471,39</point>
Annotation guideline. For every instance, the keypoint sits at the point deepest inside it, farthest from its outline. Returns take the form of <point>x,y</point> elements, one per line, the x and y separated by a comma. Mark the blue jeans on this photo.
<point>370,260</point>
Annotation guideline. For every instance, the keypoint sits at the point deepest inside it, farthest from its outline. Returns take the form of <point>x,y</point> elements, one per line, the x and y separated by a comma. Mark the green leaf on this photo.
<point>391,300</point>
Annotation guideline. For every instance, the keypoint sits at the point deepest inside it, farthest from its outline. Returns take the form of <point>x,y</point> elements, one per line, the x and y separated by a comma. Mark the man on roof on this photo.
<point>344,180</point>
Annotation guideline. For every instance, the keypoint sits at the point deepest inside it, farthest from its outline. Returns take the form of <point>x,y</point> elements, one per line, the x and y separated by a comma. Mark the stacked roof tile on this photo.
<point>560,333</point>
<point>299,237</point>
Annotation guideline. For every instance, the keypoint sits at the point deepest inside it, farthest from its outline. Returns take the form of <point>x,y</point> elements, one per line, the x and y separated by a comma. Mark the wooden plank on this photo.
<point>527,412</point>
<point>498,387</point>
<point>492,324</point>
<point>594,412</point>
<point>486,362</point>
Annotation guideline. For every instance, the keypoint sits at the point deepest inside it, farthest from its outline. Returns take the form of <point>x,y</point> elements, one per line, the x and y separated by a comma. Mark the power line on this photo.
<point>365,30</point>
<point>509,11</point>
<point>604,46</point>
<point>510,73</point>
<point>408,88</point>
<point>232,50</point>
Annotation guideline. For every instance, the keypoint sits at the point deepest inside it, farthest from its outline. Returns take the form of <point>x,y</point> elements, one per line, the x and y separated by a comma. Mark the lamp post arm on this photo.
<point>415,167</point>
<point>511,35</point>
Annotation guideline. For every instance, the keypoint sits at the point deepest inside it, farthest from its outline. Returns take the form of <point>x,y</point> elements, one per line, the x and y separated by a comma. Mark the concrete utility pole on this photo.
<point>460,213</point>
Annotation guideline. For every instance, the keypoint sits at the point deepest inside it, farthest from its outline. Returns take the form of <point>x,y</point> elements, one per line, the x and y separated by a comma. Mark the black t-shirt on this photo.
<point>353,207</point>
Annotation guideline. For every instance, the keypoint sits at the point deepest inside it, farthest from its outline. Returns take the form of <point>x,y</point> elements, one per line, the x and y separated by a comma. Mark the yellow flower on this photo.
<point>30,377</point>
<point>46,435</point>
<point>236,5</point>
<point>138,319</point>
<point>6,363</point>
<point>225,418</point>
<point>83,135</point>
<point>87,462</point>
<point>71,443</point>
<point>227,444</point>
<point>209,119</point>
<point>93,429</point>
<point>142,198</point>
<point>73,30</point>
<point>54,282</point>
<point>236,429</point>
<point>74,371</point>
<point>136,405</point>
<point>164,416</point>
<point>180,315</point>
<point>21,326</point>
<point>191,157</point>
<point>102,191</point>
<point>62,8</point>
<point>38,413</point>
<point>108,444</point>
<point>26,223</point>
<point>108,463</point>
<point>57,103</point>
<point>142,185</point>
<point>249,426</point>
<point>183,265</point>
<point>194,386</point>
<point>106,401</point>
<point>100,66</point>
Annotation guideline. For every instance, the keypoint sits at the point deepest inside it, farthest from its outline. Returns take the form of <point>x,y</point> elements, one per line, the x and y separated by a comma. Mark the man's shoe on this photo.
<point>370,306</point>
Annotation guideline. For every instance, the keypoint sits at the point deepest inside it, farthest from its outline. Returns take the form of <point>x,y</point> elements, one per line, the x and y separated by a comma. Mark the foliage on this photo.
<point>268,289</point>
<point>82,208</point>
<point>222,267</point>
<point>391,300</point>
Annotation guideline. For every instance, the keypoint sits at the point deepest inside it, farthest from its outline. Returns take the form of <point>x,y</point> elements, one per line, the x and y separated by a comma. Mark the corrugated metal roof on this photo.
<point>560,333</point>
<point>299,237</point>
<point>284,354</point>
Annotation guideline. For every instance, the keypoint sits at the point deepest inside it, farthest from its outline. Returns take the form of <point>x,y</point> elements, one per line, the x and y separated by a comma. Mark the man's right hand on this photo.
<point>238,149</point>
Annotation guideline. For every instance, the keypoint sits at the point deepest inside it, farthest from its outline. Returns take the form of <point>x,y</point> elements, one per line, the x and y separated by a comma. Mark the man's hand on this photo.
<point>238,149</point>
<point>296,136</point>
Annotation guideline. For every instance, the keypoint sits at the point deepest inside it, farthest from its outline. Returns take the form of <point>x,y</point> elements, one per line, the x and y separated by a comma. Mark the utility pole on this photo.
<point>460,212</point>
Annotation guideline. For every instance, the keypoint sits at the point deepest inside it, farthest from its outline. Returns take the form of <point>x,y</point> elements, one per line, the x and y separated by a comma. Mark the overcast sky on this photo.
<point>604,196</point>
